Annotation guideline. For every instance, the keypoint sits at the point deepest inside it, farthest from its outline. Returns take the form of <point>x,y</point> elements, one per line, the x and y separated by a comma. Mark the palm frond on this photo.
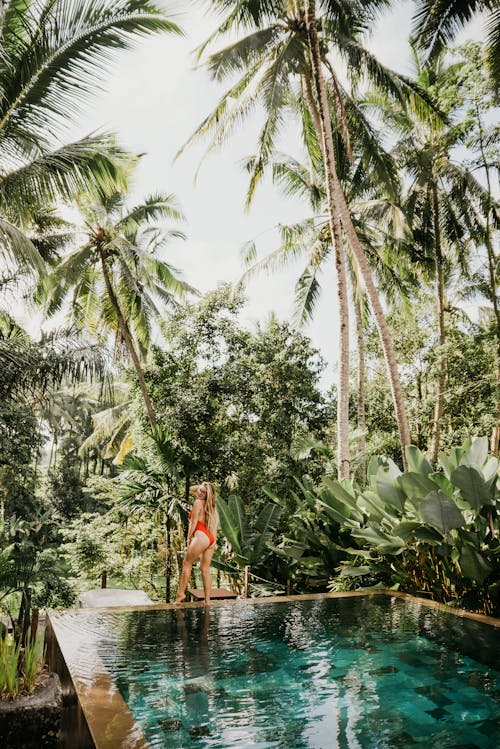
<point>226,114</point>
<point>307,293</point>
<point>155,207</point>
<point>400,88</point>
<point>436,22</point>
<point>89,165</point>
<point>242,54</point>
<point>18,251</point>
<point>62,55</point>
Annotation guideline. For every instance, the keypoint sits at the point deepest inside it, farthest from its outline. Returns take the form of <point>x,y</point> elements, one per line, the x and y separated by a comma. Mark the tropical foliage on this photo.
<point>423,531</point>
<point>248,545</point>
<point>152,387</point>
<point>53,56</point>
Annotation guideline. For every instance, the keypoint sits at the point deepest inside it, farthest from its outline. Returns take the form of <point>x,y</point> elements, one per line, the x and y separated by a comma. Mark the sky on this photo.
<point>153,98</point>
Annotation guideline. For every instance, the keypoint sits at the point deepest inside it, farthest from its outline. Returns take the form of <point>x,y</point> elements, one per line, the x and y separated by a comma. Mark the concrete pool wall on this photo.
<point>96,715</point>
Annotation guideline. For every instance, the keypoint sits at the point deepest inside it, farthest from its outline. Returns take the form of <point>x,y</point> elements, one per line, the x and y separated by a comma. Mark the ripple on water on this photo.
<point>358,673</point>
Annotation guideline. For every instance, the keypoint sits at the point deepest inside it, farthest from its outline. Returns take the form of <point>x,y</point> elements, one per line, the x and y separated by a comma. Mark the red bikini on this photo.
<point>203,528</point>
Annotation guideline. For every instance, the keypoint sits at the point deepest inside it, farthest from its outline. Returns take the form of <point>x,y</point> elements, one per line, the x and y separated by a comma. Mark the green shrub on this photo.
<point>19,667</point>
<point>420,531</point>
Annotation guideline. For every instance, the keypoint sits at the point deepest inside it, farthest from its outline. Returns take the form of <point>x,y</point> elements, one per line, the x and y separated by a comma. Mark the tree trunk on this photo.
<point>361,390</point>
<point>338,207</point>
<point>492,264</point>
<point>438,262</point>
<point>343,457</point>
<point>127,337</point>
<point>168,561</point>
<point>381,323</point>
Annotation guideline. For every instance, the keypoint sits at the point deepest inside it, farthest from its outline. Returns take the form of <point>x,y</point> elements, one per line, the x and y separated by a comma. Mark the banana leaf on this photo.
<point>473,565</point>
<point>229,525</point>
<point>472,486</point>
<point>415,485</point>
<point>438,510</point>
<point>417,462</point>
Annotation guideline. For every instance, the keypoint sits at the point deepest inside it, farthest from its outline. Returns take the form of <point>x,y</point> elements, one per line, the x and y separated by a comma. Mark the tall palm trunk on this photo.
<point>168,560</point>
<point>438,262</point>
<point>325,133</point>
<point>127,337</point>
<point>338,206</point>
<point>360,338</point>
<point>492,264</point>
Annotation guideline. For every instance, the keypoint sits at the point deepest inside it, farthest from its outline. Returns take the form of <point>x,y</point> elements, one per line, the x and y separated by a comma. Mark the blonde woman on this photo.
<point>202,532</point>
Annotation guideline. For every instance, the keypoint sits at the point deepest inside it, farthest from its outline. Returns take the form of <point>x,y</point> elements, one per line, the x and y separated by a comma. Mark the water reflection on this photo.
<point>355,673</point>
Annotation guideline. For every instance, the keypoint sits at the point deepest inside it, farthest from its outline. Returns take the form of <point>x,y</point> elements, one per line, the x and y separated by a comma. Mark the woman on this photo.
<point>202,532</point>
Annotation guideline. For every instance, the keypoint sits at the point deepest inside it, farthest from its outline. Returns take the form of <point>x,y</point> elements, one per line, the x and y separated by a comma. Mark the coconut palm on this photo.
<point>442,202</point>
<point>118,283</point>
<point>53,54</point>
<point>151,487</point>
<point>380,224</point>
<point>436,23</point>
<point>280,53</point>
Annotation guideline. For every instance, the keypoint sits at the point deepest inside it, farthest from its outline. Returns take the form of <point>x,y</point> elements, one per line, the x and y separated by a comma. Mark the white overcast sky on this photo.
<point>154,98</point>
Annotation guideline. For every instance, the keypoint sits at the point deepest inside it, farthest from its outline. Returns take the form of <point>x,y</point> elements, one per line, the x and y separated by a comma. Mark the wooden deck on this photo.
<point>216,593</point>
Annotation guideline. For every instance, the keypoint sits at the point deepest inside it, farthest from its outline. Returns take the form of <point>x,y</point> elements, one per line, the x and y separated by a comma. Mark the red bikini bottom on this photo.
<point>203,528</point>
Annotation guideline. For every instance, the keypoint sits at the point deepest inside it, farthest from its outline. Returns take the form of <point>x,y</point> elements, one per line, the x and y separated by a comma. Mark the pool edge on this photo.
<point>107,716</point>
<point>104,720</point>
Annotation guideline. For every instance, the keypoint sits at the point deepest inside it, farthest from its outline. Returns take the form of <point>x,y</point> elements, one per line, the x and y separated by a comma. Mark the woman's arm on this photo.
<point>194,489</point>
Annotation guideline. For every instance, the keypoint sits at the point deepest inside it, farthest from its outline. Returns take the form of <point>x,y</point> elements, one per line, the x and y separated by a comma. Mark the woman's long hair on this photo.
<point>211,513</point>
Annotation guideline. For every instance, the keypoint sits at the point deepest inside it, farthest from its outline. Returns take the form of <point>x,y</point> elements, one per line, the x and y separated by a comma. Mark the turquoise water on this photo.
<point>356,673</point>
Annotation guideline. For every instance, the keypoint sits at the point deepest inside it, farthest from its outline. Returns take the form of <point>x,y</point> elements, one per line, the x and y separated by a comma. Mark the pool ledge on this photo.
<point>109,722</point>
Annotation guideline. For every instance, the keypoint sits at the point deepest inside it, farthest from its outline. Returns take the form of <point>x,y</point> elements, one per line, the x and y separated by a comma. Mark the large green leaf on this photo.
<point>387,485</point>
<point>415,485</point>
<point>444,484</point>
<point>334,514</point>
<point>406,530</point>
<point>428,535</point>
<point>472,486</point>
<point>365,553</point>
<point>293,549</point>
<point>373,465</point>
<point>417,462</point>
<point>332,498</point>
<point>473,565</point>
<point>490,470</point>
<point>379,540</point>
<point>235,504</point>
<point>451,462</point>
<point>370,503</point>
<point>267,522</point>
<point>354,571</point>
<point>477,454</point>
<point>339,492</point>
<point>266,525</point>
<point>438,510</point>
<point>229,525</point>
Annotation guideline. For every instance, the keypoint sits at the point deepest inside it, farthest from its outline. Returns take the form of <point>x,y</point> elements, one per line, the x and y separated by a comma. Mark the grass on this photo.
<point>19,666</point>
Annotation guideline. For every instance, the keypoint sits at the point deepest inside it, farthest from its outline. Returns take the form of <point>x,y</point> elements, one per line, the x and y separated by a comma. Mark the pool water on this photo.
<point>358,673</point>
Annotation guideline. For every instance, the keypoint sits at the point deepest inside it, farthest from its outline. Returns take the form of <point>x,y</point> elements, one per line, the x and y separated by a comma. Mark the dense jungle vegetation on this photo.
<point>391,477</point>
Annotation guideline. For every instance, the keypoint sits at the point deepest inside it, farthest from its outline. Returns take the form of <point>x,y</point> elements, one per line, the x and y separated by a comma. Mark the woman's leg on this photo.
<point>196,547</point>
<point>205,561</point>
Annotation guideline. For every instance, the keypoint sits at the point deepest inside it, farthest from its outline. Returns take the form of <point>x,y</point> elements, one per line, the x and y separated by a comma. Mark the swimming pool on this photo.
<point>357,672</point>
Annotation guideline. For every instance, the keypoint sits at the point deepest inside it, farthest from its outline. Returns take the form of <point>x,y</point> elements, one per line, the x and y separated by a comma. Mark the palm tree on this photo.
<point>380,225</point>
<point>118,282</point>
<point>53,54</point>
<point>337,205</point>
<point>440,203</point>
<point>151,487</point>
<point>280,52</point>
<point>436,23</point>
